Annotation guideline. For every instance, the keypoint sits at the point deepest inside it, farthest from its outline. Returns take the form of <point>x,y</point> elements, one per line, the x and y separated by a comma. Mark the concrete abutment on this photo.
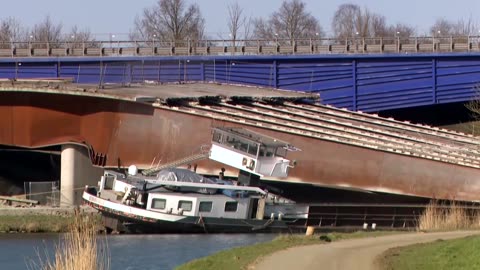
<point>76,172</point>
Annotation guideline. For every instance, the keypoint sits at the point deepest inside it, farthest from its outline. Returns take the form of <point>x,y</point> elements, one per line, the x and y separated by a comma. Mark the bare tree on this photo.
<point>12,30</point>
<point>77,38</point>
<point>247,28</point>
<point>47,32</point>
<point>474,107</point>
<point>350,21</point>
<point>236,21</point>
<point>345,21</point>
<point>401,30</point>
<point>467,27</point>
<point>444,27</point>
<point>291,21</point>
<point>170,20</point>
<point>377,25</point>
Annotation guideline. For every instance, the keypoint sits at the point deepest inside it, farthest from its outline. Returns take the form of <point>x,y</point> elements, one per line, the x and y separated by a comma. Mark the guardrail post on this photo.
<point>58,69</point>
<point>202,72</point>
<point>275,74</point>
<point>16,69</point>
<point>434,81</point>
<point>398,44</point>
<point>354,80</point>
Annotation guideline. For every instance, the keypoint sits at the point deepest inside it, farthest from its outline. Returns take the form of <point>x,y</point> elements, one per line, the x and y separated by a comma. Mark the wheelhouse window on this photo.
<point>159,204</point>
<point>205,207</point>
<point>185,205</point>
<point>252,149</point>
<point>269,151</point>
<point>231,206</point>
<point>281,152</point>
<point>217,137</point>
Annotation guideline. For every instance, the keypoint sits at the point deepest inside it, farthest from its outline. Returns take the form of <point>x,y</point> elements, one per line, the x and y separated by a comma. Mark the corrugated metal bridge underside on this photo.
<point>340,148</point>
<point>366,82</point>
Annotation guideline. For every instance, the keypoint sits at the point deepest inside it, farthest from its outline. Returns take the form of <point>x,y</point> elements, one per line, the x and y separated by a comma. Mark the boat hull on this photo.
<point>122,219</point>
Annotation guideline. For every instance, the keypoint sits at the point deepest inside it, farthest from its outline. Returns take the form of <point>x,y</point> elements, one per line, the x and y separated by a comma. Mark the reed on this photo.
<point>81,248</point>
<point>442,217</point>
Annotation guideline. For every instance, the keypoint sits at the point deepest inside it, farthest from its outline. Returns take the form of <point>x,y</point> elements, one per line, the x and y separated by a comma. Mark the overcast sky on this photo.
<point>116,16</point>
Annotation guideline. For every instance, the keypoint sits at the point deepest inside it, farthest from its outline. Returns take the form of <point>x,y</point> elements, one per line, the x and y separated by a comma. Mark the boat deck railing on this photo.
<point>316,45</point>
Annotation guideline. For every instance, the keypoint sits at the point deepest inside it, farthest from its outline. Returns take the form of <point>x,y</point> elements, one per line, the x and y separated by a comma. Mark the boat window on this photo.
<point>185,205</point>
<point>263,151</point>
<point>281,152</point>
<point>205,207</point>
<point>269,152</point>
<point>232,142</point>
<point>231,206</point>
<point>159,204</point>
<point>252,149</point>
<point>217,136</point>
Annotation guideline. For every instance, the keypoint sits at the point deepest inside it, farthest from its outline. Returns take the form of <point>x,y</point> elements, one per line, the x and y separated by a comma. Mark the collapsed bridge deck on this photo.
<point>162,123</point>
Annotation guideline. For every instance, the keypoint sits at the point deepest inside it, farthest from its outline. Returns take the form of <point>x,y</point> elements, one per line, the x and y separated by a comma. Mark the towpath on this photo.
<point>359,254</point>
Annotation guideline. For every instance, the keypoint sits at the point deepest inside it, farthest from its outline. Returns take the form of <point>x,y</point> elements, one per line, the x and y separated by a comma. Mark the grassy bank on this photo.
<point>242,257</point>
<point>451,254</point>
<point>459,254</point>
<point>38,223</point>
<point>35,224</point>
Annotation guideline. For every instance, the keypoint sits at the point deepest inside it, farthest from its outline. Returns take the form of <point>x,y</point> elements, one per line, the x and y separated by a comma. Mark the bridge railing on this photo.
<point>357,45</point>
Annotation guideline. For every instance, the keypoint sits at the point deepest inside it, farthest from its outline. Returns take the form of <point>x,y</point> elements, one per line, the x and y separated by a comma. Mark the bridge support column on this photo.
<point>76,172</point>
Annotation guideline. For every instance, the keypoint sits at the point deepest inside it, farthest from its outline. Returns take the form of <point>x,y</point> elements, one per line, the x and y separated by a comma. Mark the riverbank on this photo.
<point>460,254</point>
<point>246,257</point>
<point>40,219</point>
<point>358,254</point>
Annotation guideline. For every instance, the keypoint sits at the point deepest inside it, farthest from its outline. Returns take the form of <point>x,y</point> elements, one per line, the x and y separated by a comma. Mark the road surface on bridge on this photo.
<point>357,254</point>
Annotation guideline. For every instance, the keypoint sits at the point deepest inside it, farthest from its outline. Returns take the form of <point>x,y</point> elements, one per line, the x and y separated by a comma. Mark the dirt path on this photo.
<point>356,254</point>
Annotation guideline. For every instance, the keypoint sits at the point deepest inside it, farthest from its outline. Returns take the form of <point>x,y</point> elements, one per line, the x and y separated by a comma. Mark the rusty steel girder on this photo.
<point>125,132</point>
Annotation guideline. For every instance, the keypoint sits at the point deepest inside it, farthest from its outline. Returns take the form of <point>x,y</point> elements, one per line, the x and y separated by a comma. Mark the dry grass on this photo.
<point>441,217</point>
<point>80,248</point>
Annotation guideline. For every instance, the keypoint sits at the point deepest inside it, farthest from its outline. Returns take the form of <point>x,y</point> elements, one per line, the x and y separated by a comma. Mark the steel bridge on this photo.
<point>366,82</point>
<point>121,131</point>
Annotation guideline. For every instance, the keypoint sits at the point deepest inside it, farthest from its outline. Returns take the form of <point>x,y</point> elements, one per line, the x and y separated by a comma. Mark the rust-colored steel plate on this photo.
<point>135,133</point>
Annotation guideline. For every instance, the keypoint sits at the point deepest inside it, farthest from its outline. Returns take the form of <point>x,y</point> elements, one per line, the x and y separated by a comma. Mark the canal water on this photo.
<point>23,251</point>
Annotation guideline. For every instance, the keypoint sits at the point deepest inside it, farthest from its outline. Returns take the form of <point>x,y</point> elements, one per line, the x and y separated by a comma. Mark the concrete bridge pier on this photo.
<point>76,172</point>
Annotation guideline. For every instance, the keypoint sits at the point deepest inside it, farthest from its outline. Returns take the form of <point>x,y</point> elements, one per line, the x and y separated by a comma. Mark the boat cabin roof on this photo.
<point>252,136</point>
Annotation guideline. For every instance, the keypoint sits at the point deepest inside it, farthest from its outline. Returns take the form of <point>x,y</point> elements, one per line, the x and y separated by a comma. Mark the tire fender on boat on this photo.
<point>251,165</point>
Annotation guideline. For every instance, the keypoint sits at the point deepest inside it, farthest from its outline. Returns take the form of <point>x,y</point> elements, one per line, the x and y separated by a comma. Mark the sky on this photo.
<point>107,17</point>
